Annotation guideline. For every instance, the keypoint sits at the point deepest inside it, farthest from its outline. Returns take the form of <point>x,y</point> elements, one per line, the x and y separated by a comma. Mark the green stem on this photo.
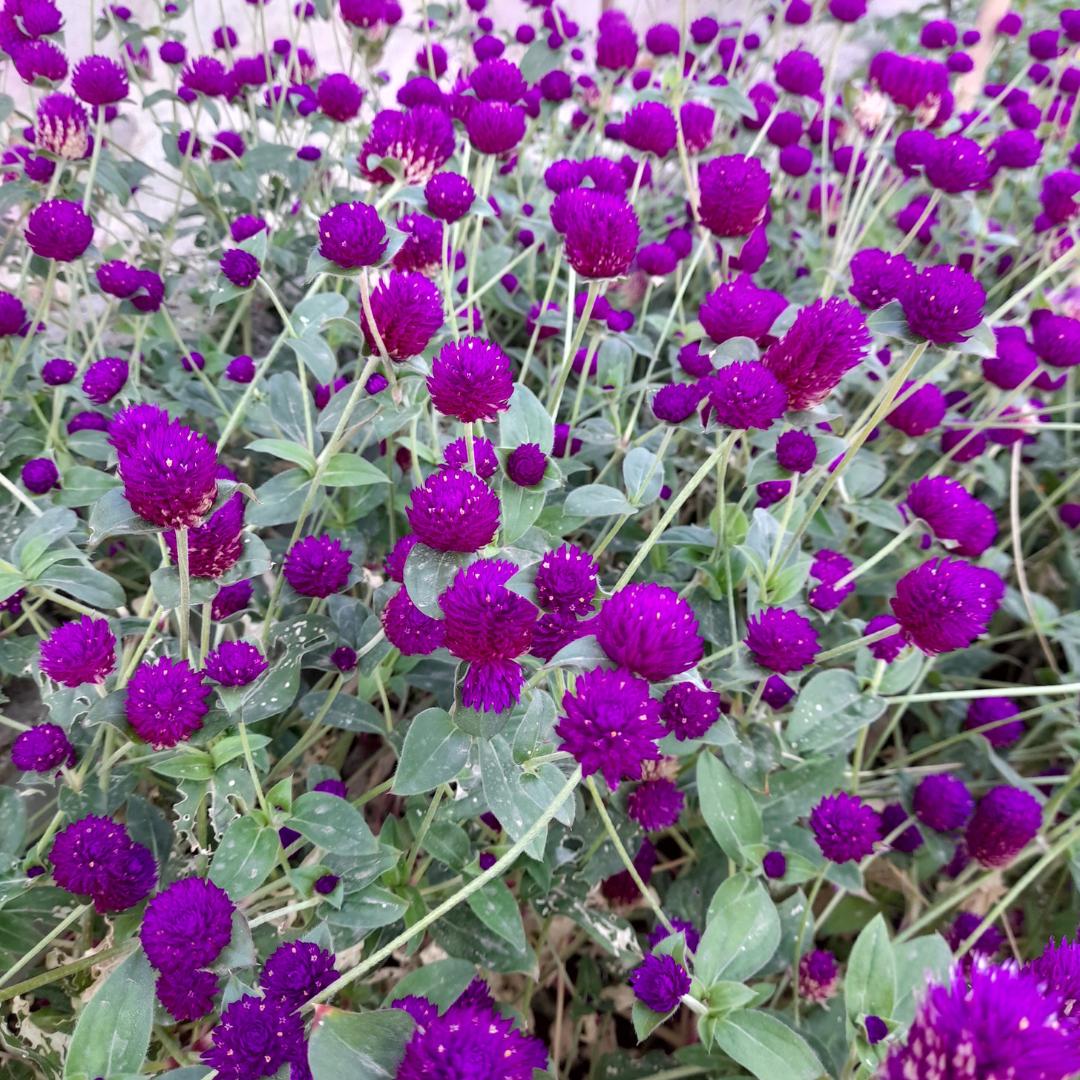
<point>183,566</point>
<point>51,936</point>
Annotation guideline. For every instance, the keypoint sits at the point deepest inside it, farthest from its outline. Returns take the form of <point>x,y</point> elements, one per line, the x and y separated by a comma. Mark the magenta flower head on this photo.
<point>230,599</point>
<point>187,925</point>
<point>59,229</point>
<point>1006,819</point>
<point>657,260</point>
<point>601,232</point>
<point>942,303</point>
<point>922,409</point>
<point>97,80</point>
<point>96,858</point>
<point>471,380</point>
<point>454,511</point>
<point>740,309</point>
<point>998,711</point>
<point>186,994</point>
<point>1056,338</point>
<point>781,640</point>
<point>887,648</point>
<point>650,630</point>
<point>488,625</point>
<point>318,566</point>
<point>676,402</point>
<point>796,451</point>
<point>166,702</point>
<point>39,475</point>
<point>956,163</point>
<point>57,371</point>
<point>296,971</point>
<point>1058,972</point>
<point>422,249</point>
<point>240,267</point>
<point>827,339</point>
<point>845,828</point>
<point>352,235</point>
<point>650,128</point>
<point>235,663</point>
<point>566,581</point>
<point>61,127</point>
<point>132,421</point>
<point>13,320</point>
<point>40,60</point>
<point>659,983</point>
<point>486,460</point>
<point>526,465</point>
<point>240,369</point>
<point>83,651</point>
<point>655,804</point>
<point>996,1021</point>
<point>878,277</point>
<point>818,976</point>
<point>408,629</point>
<point>945,604</point>
<point>497,80</point>
<point>734,195</point>
<point>42,749</point>
<point>255,1037</point>
<point>828,568</point>
<point>942,802</point>
<point>611,725</point>
<point>169,475</point>
<point>965,523</point>
<point>799,72</point>
<point>339,97</point>
<point>104,379</point>
<point>1059,195</point>
<point>449,196</point>
<point>421,139</point>
<point>217,544</point>
<point>1014,361</point>
<point>688,711</point>
<point>408,313</point>
<point>745,394</point>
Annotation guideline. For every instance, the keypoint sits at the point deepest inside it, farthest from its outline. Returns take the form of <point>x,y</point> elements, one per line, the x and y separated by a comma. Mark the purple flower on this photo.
<point>657,260</point>
<point>490,626</point>
<point>942,303</point>
<point>878,277</point>
<point>240,369</point>
<point>206,75</point>
<point>454,511</point>
<point>650,630</point>
<point>217,544</point>
<point>240,267</point>
<point>649,127</point>
<point>97,80</point>
<point>83,651</point>
<point>57,371</point>
<point>566,581</point>
<point>774,864</point>
<point>172,53</point>
<point>781,640</point>
<point>395,560</point>
<point>235,663</point>
<point>42,748</point>
<point>187,925</point>
<point>956,163</point>
<point>600,229</point>
<point>827,339</point>
<point>1059,195</point>
<point>456,454</point>
<point>945,604</point>
<point>1015,360</point>
<point>734,195</point>
<point>796,451</point>
<point>845,828</point>
<point>621,888</point>
<point>449,196</point>
<point>497,80</point>
<point>96,858</point>
<point>688,711</point>
<point>662,39</point>
<point>777,693</point>
<point>254,1038</point>
<point>996,711</point>
<point>423,245</point>
<point>352,235</point>
<point>318,566</point>
<point>818,976</point>
<point>62,127</point>
<point>408,629</point>
<point>344,658</point>
<point>888,648</point>
<point>1005,820</point>
<point>40,60</point>
<point>611,725</point>
<point>739,308</point>
<point>953,515</point>
<point>1016,149</point>
<point>655,804</point>
<point>745,394</point>
<point>1056,338</point>
<point>698,122</point>
<point>296,971</point>
<point>339,97</point>
<point>829,567</point>
<point>659,932</point>
<point>799,72</point>
<point>59,229</point>
<point>677,402</point>
<point>942,801</point>
<point>471,380</point>
<point>104,379</point>
<point>421,139</point>
<point>964,925</point>
<point>230,599</point>
<point>526,465</point>
<point>39,475</point>
<point>1058,972</point>
<point>659,983</point>
<point>87,421</point>
<point>989,1022</point>
<point>186,994</point>
<point>408,312</point>
<point>909,839</point>
<point>166,702</point>
<point>227,146</point>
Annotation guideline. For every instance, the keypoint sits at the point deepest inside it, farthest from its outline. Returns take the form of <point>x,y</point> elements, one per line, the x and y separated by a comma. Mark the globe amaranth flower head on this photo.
<point>352,235</point>
<point>408,629</point>
<point>745,394</point>
<point>408,313</point>
<point>945,604</point>
<point>986,1021</point>
<point>956,163</point>
<point>886,648</point>
<point>659,983</point>
<point>394,563</point>
<point>1056,338</point>
<point>83,651</point>
<point>422,249</point>
<point>104,379</point>
<point>187,995</point>
<point>526,465</point>
<point>169,474</point>
<point>96,858</point>
<point>650,630</point>
<point>818,976</point>
<point>827,340</point>
<point>235,663</point>
<point>255,1037</point>
<point>998,712</point>
<point>1057,970</point>
<point>456,454</point>
<point>216,545</point>
<point>600,229</point>
<point>734,195</point>
<point>689,932</point>
<point>44,748</point>
<point>781,640</point>
<point>61,127</point>
<point>421,139</point>
<point>490,626</point>
<point>13,320</point>
<point>454,511</point>
<point>230,599</point>
<point>829,569</point>
<point>57,371</point>
<point>611,724</point>
<point>240,267</point>
<point>318,566</point>
<point>656,803</point>
<point>844,827</point>
<point>59,229</point>
<point>688,711</point>
<point>878,276</point>
<point>799,72</point>
<point>97,80</point>
<point>1015,360</point>
<point>39,476</point>
<point>942,304</point>
<point>942,802</point>
<point>649,127</point>
<point>566,581</point>
<point>449,196</point>
<point>187,925</point>
<point>296,971</point>
<point>796,451</point>
<point>1005,820</point>
<point>471,380</point>
<point>676,402</point>
<point>987,944</point>
<point>166,701</point>
<point>339,97</point>
<point>966,524</point>
<point>739,308</point>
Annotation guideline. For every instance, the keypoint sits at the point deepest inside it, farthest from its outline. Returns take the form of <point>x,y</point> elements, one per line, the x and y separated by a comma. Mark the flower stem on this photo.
<point>73,917</point>
<point>183,610</point>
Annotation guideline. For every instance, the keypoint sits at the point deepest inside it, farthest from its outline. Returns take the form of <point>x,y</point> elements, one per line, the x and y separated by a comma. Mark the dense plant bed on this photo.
<point>561,562</point>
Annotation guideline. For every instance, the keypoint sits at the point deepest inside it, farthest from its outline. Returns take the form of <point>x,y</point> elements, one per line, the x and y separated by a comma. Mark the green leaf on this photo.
<point>441,982</point>
<point>597,500</point>
<point>360,1046</point>
<point>316,354</point>
<point>112,516</point>
<point>368,910</point>
<point>526,421</point>
<point>286,451</point>
<point>742,932</point>
<point>428,574</point>
<point>830,708</point>
<point>506,797</point>
<point>920,961</point>
<point>232,747</point>
<point>519,510</point>
<point>40,535</point>
<point>246,855</point>
<point>767,1047</point>
<point>889,321</point>
<point>113,1031</point>
<point>538,61</point>
<point>273,693</point>
<point>351,470</point>
<point>870,982</point>
<point>186,764</point>
<point>729,810</point>
<point>332,823</point>
<point>643,476</point>
<point>434,752</point>
<point>645,1020</point>
<point>84,583</point>
<point>494,905</point>
<point>82,485</point>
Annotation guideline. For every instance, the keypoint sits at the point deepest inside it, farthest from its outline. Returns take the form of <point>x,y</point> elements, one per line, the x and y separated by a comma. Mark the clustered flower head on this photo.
<point>454,511</point>
<point>471,380</point>
<point>317,566</point>
<point>96,858</point>
<point>845,827</point>
<point>166,701</point>
<point>83,651</point>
